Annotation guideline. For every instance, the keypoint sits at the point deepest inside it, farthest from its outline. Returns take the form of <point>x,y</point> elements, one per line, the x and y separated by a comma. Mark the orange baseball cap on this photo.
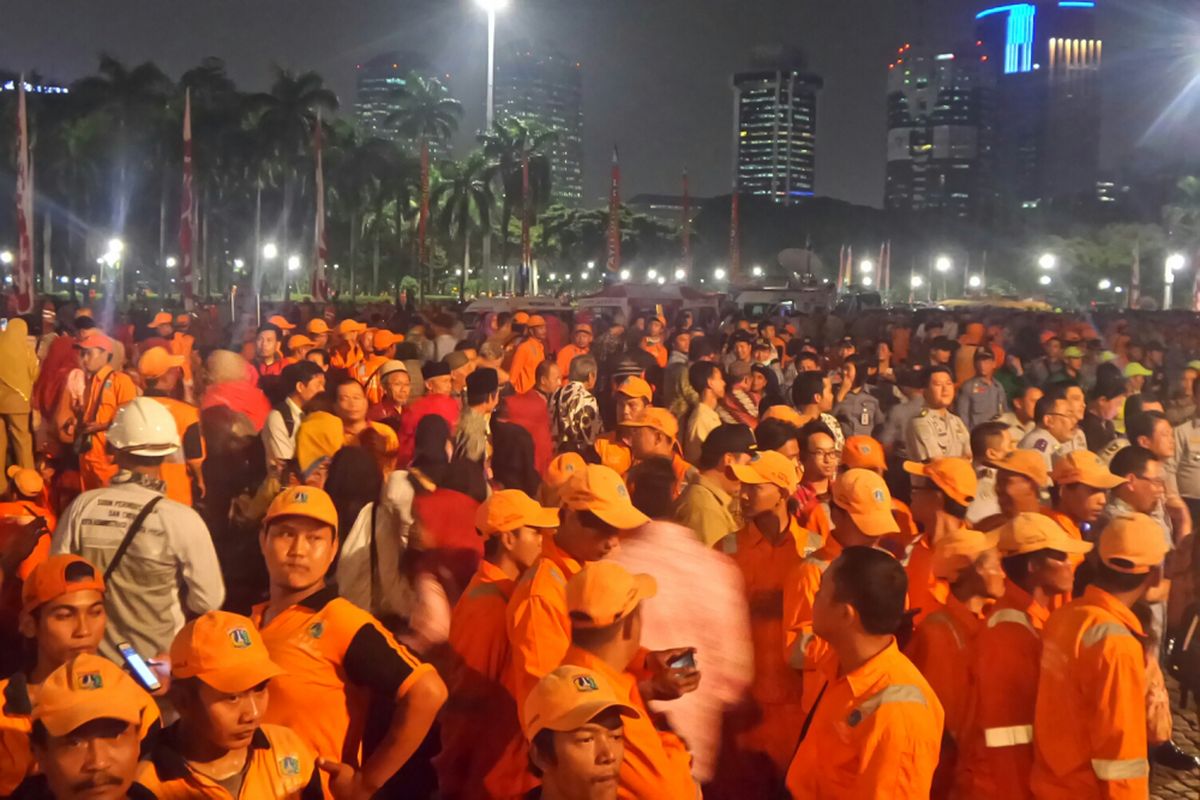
<point>520,318</point>
<point>49,580</point>
<point>768,466</point>
<point>1027,463</point>
<point>96,340</point>
<point>299,340</point>
<point>583,326</point>
<point>863,452</point>
<point>510,509</point>
<point>183,320</point>
<point>954,476</point>
<point>660,420</point>
<point>224,650</point>
<point>161,318</point>
<point>569,698</point>
<point>1031,531</point>
<point>303,501</point>
<point>385,339</point>
<point>603,593</point>
<point>1083,466</point>
<point>317,327</point>
<point>636,386</point>
<point>29,482</point>
<point>863,495</point>
<point>1132,544</point>
<point>957,550</point>
<point>349,326</point>
<point>88,688</point>
<point>537,320</point>
<point>157,362</point>
<point>281,322</point>
<point>785,413</point>
<point>600,490</point>
<point>562,468</point>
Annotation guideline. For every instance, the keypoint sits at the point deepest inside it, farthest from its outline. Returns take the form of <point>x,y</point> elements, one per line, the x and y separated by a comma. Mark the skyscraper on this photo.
<point>377,81</point>
<point>1046,57</point>
<point>533,83</point>
<point>775,114</point>
<point>937,137</point>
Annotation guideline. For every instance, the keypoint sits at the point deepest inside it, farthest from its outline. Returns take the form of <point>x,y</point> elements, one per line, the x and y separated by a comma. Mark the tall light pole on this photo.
<point>1174,263</point>
<point>491,7</point>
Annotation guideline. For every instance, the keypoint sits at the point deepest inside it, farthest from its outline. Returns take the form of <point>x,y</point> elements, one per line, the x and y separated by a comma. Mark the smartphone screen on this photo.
<point>141,670</point>
<point>685,661</point>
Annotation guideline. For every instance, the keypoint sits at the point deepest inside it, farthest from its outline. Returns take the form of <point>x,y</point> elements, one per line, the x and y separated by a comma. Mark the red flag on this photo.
<point>1135,276</point>
<point>614,217</point>
<point>187,212</point>
<point>320,288</point>
<point>686,230</point>
<point>526,215</point>
<point>841,267</point>
<point>423,219</point>
<point>735,244</point>
<point>23,282</point>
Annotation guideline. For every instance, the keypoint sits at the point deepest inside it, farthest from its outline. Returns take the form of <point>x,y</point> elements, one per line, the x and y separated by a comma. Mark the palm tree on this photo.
<point>465,201</point>
<point>511,144</point>
<point>356,165</point>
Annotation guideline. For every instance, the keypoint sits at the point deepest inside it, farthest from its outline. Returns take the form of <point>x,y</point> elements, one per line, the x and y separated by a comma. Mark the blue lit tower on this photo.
<point>1046,58</point>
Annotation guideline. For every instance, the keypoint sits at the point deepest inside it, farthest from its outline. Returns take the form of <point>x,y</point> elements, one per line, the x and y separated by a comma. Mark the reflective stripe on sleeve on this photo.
<point>1120,769</point>
<point>1101,631</point>
<point>1008,737</point>
<point>896,693</point>
<point>1003,615</point>
<point>799,648</point>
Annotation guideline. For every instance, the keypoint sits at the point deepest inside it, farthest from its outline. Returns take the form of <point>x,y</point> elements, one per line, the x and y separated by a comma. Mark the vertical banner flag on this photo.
<point>23,281</point>
<point>849,265</point>
<point>1196,285</point>
<point>735,243</point>
<point>526,220</point>
<point>686,227</point>
<point>1135,276</point>
<point>614,217</point>
<point>320,287</point>
<point>841,267</point>
<point>423,219</point>
<point>187,212</point>
<point>886,267</point>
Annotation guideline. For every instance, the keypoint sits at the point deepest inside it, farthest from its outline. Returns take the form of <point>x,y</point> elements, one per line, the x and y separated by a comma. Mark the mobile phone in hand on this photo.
<point>138,666</point>
<point>685,661</point>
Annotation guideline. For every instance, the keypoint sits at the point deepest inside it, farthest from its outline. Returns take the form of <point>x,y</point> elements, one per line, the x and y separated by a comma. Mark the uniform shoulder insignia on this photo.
<point>924,413</point>
<point>1040,445</point>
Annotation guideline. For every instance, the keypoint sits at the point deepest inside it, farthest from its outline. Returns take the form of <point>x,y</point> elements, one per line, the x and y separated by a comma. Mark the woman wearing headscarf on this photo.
<point>18,369</point>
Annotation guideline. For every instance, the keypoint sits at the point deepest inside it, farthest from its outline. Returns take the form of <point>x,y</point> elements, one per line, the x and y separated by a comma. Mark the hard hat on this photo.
<point>144,427</point>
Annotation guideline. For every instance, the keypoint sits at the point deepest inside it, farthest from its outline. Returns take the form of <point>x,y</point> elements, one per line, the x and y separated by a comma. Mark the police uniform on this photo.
<point>895,427</point>
<point>980,400</point>
<point>1043,442</point>
<point>937,434</point>
<point>1186,462</point>
<point>858,414</point>
<point>1016,429</point>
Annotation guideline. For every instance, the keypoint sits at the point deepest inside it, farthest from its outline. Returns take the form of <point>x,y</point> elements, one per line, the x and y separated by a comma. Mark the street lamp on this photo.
<point>1174,263</point>
<point>491,7</point>
<point>1104,285</point>
<point>866,280</point>
<point>680,274</point>
<point>866,267</point>
<point>293,263</point>
<point>719,274</point>
<point>116,247</point>
<point>757,271</point>
<point>1048,261</point>
<point>652,274</point>
<point>591,265</point>
<point>270,251</point>
<point>1044,280</point>
<point>171,262</point>
<point>624,274</point>
<point>916,282</point>
<point>943,264</point>
<point>6,257</point>
<point>975,282</point>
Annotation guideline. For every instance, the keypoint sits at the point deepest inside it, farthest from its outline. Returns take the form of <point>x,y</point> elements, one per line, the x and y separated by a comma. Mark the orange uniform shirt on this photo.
<point>175,468</point>
<point>657,765</point>
<point>107,390</point>
<point>799,591</point>
<point>999,744</point>
<point>942,649</point>
<point>346,358</point>
<point>925,592</point>
<point>279,766</point>
<point>659,351</point>
<point>1089,724</point>
<point>336,659</point>
<point>538,622</point>
<point>182,344</point>
<point>523,374</point>
<point>483,751</point>
<point>565,356</point>
<point>875,734</point>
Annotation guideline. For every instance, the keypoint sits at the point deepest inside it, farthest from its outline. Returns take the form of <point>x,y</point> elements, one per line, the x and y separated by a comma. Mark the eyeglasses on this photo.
<point>824,455</point>
<point>1159,483</point>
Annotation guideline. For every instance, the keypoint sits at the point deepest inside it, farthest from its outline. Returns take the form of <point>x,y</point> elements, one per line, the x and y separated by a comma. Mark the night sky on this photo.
<point>656,72</point>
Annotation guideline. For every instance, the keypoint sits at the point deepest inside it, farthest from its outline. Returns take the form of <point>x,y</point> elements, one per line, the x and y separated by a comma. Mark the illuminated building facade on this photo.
<point>775,111</point>
<point>546,87</point>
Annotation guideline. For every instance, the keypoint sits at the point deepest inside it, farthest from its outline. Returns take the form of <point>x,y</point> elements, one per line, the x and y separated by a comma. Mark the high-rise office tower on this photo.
<point>376,88</point>
<point>534,83</point>
<point>775,134</point>
<point>937,139</point>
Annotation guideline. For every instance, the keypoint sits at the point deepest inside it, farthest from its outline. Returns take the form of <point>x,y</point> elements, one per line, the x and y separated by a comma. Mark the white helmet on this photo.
<point>144,427</point>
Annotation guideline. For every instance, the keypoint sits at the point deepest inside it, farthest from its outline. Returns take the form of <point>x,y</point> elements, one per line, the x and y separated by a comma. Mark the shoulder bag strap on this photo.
<point>134,527</point>
<point>374,562</point>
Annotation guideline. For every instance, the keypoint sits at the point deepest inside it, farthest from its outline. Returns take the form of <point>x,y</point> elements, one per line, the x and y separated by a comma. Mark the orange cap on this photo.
<point>537,320</point>
<point>183,320</point>
<point>660,420</point>
<point>954,476</point>
<point>1031,531</point>
<point>600,490</point>
<point>569,698</point>
<point>562,468</point>
<point>303,501</point>
<point>385,339</point>
<point>603,593</point>
<point>281,322</point>
<point>636,386</point>
<point>520,318</point>
<point>88,688</point>
<point>349,326</point>
<point>317,327</point>
<point>510,509</point>
<point>49,580</point>
<point>1047,336</point>
<point>583,326</point>
<point>157,362</point>
<point>1027,463</point>
<point>96,340</point>
<point>957,550</point>
<point>224,650</point>
<point>864,496</point>
<point>1083,466</point>
<point>29,482</point>
<point>161,318</point>
<point>1132,544</point>
<point>299,340</point>
<point>863,452</point>
<point>768,466</point>
<point>786,413</point>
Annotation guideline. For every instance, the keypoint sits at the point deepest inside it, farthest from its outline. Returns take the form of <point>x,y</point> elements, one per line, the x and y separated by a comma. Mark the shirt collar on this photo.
<point>755,538</point>
<point>318,600</point>
<point>1021,600</point>
<point>724,497</point>
<point>169,765</point>
<point>569,566</point>
<point>1095,596</point>
<point>968,619</point>
<point>490,573</point>
<point>867,676</point>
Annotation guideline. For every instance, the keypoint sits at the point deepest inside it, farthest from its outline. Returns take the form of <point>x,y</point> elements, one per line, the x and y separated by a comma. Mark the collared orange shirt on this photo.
<point>1089,724</point>
<point>107,391</point>
<point>346,358</point>
<point>876,733</point>
<point>814,517</point>
<point>942,649</point>
<point>175,468</point>
<point>799,591</point>
<point>658,351</point>
<point>925,592</point>
<point>538,622</point>
<point>279,766</point>
<point>657,765</point>
<point>523,374</point>
<point>483,751</point>
<point>566,356</point>
<point>999,745</point>
<point>336,659</point>
<point>182,345</point>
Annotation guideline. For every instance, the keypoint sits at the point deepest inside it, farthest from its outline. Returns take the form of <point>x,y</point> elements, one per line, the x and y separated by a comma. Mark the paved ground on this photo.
<point>1166,784</point>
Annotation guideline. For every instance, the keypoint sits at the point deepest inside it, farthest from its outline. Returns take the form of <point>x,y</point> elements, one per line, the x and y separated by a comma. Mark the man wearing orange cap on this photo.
<point>632,397</point>
<point>581,345</point>
<point>86,735</point>
<point>1080,493</point>
<point>163,324</point>
<point>940,496</point>
<point>298,347</point>
<point>596,508</point>
<point>1020,479</point>
<point>318,330</point>
<point>1089,727</point>
<point>106,390</point>
<point>864,452</point>
<point>604,602</point>
<point>281,322</point>
<point>346,353</point>
<point>652,342</point>
<point>656,435</point>
<point>337,659</point>
<point>529,353</point>
<point>481,754</point>
<point>184,344</point>
<point>23,501</point>
<point>876,727</point>
<point>367,371</point>
<point>185,468</point>
<point>998,748</point>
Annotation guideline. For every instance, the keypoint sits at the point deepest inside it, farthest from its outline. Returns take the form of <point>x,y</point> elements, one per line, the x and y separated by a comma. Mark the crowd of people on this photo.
<point>372,551</point>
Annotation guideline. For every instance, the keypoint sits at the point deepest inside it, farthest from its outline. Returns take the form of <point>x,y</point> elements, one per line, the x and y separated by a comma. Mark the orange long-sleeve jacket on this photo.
<point>523,373</point>
<point>107,391</point>
<point>538,621</point>
<point>925,592</point>
<point>942,648</point>
<point>1089,725</point>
